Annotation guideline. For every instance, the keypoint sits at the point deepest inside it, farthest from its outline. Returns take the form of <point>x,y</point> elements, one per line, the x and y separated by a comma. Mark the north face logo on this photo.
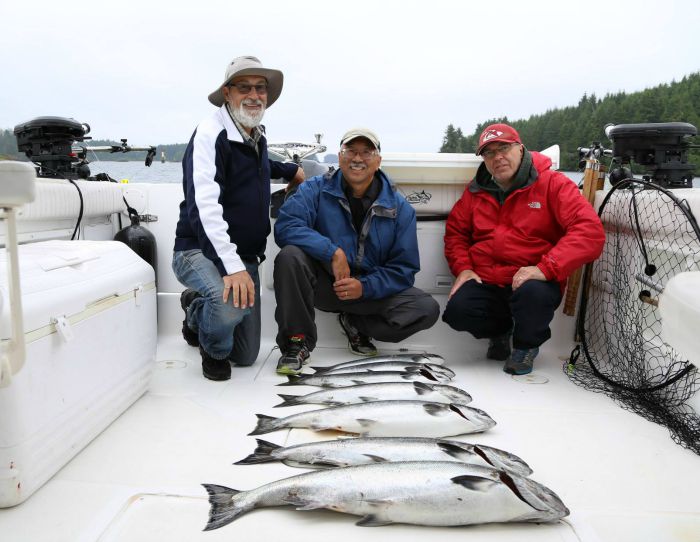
<point>534,205</point>
<point>487,136</point>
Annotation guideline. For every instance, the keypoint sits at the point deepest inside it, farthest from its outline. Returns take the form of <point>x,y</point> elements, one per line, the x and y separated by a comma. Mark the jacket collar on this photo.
<point>232,131</point>
<point>333,186</point>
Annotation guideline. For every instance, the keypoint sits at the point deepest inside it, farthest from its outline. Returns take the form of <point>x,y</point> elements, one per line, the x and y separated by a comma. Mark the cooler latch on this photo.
<point>137,294</point>
<point>63,327</point>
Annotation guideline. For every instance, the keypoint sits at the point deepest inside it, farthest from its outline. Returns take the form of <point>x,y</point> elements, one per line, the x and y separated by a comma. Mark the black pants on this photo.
<point>486,310</point>
<point>302,284</point>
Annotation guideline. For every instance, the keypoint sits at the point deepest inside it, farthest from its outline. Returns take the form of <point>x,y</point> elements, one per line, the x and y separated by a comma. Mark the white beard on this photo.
<point>246,118</point>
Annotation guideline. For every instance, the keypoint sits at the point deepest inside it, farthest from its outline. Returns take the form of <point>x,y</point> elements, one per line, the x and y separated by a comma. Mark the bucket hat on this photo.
<point>249,65</point>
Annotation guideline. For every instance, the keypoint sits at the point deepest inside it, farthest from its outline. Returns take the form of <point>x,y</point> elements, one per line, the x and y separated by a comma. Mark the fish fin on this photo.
<point>455,449</point>
<point>421,388</point>
<point>376,458</point>
<point>319,369</point>
<point>365,422</point>
<point>289,400</point>
<point>427,374</point>
<point>266,424</point>
<point>473,483</point>
<point>358,382</point>
<point>224,507</point>
<point>293,380</point>
<point>326,464</point>
<point>373,520</point>
<point>261,454</point>
<point>367,399</point>
<point>302,504</point>
<point>435,409</point>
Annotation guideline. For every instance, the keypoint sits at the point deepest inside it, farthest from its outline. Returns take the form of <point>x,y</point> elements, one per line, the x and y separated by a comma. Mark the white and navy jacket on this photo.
<point>226,184</point>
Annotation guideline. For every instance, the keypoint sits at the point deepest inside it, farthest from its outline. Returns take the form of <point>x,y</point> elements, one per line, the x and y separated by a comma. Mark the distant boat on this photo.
<point>162,157</point>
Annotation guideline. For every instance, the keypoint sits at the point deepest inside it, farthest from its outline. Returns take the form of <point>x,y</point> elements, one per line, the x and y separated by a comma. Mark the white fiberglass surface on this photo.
<point>621,476</point>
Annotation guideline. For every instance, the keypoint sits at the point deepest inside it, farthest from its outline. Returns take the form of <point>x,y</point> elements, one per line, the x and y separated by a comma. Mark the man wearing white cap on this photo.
<point>349,245</point>
<point>224,218</point>
<point>511,241</point>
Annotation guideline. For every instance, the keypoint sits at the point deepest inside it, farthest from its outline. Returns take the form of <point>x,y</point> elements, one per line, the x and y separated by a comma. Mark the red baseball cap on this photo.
<point>497,132</point>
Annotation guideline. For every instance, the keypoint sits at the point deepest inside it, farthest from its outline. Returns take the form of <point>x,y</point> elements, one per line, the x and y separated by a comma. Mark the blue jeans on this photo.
<point>224,330</point>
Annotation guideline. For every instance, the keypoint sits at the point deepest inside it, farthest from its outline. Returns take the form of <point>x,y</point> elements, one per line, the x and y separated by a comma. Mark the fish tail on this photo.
<point>266,424</point>
<point>289,400</point>
<point>224,506</point>
<point>262,454</point>
<point>293,380</point>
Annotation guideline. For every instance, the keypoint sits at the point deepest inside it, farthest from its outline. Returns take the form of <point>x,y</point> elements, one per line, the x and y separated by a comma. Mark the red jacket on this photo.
<point>547,223</point>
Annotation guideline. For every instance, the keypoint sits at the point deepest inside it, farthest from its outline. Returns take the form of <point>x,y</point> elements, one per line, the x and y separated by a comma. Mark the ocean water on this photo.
<point>171,172</point>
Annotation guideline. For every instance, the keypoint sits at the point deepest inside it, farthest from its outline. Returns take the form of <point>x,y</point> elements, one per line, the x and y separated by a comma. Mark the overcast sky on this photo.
<point>143,70</point>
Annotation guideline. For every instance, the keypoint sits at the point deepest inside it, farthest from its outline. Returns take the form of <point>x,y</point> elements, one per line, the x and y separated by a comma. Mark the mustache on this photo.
<point>251,101</point>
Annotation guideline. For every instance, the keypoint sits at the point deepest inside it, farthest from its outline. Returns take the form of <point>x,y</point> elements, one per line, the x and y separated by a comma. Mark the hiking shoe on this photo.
<point>520,362</point>
<point>215,369</point>
<point>358,343</point>
<point>294,356</point>
<point>186,298</point>
<point>499,346</point>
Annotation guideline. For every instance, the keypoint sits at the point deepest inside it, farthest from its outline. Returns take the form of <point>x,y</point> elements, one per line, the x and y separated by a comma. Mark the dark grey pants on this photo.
<point>486,310</point>
<point>303,284</point>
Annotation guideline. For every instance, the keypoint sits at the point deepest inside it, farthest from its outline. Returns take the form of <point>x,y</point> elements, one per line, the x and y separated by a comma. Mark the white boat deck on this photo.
<point>622,477</point>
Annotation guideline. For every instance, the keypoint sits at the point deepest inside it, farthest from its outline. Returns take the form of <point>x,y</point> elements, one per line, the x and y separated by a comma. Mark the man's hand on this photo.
<point>299,177</point>
<point>242,287</point>
<point>463,277</point>
<point>524,274</point>
<point>339,265</point>
<point>348,289</point>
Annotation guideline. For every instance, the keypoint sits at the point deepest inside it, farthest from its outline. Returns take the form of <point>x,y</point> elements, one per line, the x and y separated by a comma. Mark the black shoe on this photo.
<point>215,369</point>
<point>294,356</point>
<point>186,298</point>
<point>358,343</point>
<point>499,347</point>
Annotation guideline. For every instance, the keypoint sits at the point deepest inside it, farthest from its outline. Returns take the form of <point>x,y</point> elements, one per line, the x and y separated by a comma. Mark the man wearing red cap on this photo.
<point>511,241</point>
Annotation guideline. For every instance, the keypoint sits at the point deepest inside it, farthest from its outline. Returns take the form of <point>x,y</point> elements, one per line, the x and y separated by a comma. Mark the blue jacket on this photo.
<point>383,256</point>
<point>226,184</point>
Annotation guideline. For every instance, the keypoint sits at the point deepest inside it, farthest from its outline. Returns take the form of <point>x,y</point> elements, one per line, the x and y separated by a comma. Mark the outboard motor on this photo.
<point>48,142</point>
<point>661,147</point>
<point>139,239</point>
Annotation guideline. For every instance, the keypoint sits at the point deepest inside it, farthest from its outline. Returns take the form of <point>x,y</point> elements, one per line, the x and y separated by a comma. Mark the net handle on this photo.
<point>593,179</point>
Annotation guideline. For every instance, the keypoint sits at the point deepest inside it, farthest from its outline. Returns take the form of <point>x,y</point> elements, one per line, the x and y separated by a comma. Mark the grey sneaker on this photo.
<point>294,356</point>
<point>499,346</point>
<point>186,298</point>
<point>520,362</point>
<point>358,343</point>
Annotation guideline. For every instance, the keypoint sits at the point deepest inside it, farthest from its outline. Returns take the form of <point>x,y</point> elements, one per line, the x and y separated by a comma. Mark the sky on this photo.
<point>142,70</point>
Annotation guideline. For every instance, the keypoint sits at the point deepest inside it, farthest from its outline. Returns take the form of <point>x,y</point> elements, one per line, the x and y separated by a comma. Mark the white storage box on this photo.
<point>90,328</point>
<point>431,182</point>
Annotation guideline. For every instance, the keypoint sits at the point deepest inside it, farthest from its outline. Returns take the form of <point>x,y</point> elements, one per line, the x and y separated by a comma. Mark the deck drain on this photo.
<point>172,364</point>
<point>532,378</point>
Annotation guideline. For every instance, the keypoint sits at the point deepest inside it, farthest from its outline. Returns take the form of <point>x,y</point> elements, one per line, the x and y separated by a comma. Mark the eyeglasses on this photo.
<point>501,149</point>
<point>245,88</point>
<point>365,154</point>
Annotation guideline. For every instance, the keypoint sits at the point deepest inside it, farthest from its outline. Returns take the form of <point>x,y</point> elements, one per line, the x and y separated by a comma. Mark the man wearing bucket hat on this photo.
<point>349,245</point>
<point>224,218</point>
<point>518,231</point>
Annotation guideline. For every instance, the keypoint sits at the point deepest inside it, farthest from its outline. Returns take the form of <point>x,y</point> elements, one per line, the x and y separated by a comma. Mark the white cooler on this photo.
<point>90,329</point>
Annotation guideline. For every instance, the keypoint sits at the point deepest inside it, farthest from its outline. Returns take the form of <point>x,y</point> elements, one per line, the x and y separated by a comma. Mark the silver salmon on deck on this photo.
<point>381,391</point>
<point>385,419</point>
<point>364,451</point>
<point>417,492</point>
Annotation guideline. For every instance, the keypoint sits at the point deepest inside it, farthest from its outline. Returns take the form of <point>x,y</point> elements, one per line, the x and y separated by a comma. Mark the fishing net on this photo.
<point>650,237</point>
